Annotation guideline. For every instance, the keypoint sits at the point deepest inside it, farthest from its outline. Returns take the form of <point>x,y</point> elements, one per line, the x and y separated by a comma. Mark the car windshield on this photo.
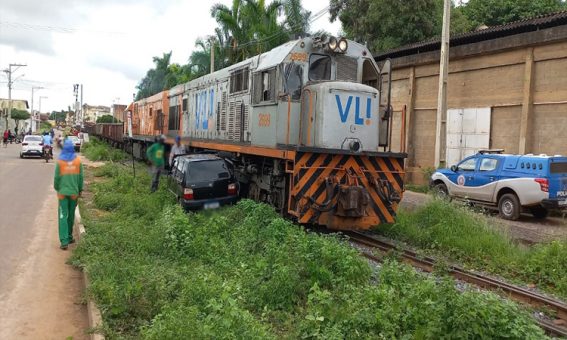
<point>208,170</point>
<point>33,139</point>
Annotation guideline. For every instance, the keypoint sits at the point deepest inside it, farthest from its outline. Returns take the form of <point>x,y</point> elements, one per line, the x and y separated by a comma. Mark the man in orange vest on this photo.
<point>68,183</point>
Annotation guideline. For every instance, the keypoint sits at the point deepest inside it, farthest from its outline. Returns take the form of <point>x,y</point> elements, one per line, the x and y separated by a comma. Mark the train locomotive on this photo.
<point>306,126</point>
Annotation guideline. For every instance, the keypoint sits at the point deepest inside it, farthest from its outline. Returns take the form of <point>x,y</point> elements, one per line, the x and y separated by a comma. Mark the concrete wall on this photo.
<point>526,87</point>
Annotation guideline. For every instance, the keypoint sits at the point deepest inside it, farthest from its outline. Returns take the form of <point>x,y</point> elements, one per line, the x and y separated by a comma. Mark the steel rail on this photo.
<point>513,292</point>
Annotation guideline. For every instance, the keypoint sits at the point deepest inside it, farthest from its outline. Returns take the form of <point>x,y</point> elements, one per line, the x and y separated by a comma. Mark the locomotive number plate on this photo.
<point>263,120</point>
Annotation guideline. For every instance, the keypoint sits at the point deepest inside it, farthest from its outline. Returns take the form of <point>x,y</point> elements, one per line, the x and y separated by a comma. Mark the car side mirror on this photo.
<point>454,168</point>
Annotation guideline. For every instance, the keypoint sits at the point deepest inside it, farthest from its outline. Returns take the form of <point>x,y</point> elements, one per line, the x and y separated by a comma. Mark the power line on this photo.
<point>57,29</point>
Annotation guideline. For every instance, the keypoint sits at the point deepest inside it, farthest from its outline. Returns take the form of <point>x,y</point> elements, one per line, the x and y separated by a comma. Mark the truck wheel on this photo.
<point>539,212</point>
<point>440,191</point>
<point>509,207</point>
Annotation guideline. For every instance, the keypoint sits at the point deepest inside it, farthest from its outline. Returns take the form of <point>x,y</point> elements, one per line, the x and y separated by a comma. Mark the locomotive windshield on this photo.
<point>319,67</point>
<point>293,80</point>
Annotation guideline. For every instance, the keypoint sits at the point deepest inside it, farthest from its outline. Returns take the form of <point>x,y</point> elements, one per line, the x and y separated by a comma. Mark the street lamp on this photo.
<point>34,118</point>
<point>40,98</point>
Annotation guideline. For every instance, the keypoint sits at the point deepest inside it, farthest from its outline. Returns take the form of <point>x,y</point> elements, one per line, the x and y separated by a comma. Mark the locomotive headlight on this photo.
<point>343,45</point>
<point>333,43</point>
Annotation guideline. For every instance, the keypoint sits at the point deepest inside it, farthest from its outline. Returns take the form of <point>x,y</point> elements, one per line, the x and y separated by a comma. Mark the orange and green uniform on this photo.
<point>68,183</point>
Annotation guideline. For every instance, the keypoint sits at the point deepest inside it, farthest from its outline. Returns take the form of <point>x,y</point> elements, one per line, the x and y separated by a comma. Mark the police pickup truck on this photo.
<point>512,183</point>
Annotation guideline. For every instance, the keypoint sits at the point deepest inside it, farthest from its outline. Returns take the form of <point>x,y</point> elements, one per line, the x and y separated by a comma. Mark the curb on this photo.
<point>94,315</point>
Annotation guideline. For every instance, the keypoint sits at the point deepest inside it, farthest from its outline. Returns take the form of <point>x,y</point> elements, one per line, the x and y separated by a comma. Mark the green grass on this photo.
<point>423,188</point>
<point>459,234</point>
<point>97,150</point>
<point>243,272</point>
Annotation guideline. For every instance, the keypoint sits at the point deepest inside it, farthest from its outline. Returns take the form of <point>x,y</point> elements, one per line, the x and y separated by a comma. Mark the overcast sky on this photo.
<point>107,45</point>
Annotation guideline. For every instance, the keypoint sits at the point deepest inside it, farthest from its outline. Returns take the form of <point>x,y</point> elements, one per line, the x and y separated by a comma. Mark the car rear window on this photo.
<point>200,171</point>
<point>558,168</point>
<point>33,139</point>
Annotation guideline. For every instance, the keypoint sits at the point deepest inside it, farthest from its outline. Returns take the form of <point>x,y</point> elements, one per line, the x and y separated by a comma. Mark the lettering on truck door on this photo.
<point>464,177</point>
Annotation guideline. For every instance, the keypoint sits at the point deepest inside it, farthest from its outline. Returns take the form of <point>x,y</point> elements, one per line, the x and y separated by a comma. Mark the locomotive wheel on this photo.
<point>254,191</point>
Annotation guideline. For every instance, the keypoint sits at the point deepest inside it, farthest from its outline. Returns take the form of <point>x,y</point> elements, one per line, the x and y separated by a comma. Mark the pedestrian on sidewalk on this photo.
<point>155,155</point>
<point>177,149</point>
<point>5,138</point>
<point>68,183</point>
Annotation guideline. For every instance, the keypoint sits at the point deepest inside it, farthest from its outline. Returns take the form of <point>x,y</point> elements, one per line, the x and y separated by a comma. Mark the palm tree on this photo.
<point>250,27</point>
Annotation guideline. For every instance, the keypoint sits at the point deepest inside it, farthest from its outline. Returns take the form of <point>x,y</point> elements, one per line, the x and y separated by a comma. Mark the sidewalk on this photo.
<point>44,299</point>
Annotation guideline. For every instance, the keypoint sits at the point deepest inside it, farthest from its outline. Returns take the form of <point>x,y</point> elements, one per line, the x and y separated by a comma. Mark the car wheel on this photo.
<point>440,190</point>
<point>539,212</point>
<point>509,207</point>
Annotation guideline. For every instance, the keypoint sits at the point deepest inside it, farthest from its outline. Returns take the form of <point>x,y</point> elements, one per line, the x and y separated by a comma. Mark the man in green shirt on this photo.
<point>155,154</point>
<point>68,182</point>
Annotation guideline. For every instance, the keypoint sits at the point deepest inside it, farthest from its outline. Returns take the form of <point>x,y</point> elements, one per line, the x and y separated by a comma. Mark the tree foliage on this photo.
<point>58,116</point>
<point>18,115</point>
<point>245,29</point>
<point>387,24</point>
<point>162,76</point>
<point>498,12</point>
<point>107,119</point>
<point>251,27</point>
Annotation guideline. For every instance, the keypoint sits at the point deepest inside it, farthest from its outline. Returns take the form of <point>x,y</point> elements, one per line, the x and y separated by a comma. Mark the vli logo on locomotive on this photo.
<point>345,110</point>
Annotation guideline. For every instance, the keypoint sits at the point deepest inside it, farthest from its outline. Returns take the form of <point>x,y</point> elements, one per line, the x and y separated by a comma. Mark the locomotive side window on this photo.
<point>319,67</point>
<point>293,80</point>
<point>264,86</point>
<point>370,75</point>
<point>239,80</point>
<point>173,119</point>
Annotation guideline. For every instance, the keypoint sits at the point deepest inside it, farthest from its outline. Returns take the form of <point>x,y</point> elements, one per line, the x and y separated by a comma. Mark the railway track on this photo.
<point>513,292</point>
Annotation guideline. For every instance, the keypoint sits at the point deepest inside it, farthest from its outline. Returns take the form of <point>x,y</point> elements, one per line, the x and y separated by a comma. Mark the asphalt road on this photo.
<point>24,186</point>
<point>40,295</point>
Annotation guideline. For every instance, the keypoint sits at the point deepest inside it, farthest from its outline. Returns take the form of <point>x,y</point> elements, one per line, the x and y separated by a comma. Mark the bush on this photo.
<point>96,150</point>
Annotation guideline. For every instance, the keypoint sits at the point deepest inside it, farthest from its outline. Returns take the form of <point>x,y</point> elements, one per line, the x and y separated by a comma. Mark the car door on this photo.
<point>179,178</point>
<point>171,178</point>
<point>464,176</point>
<point>486,178</point>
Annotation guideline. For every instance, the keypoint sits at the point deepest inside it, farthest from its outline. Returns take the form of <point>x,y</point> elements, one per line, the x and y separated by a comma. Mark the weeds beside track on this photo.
<point>428,264</point>
<point>457,234</point>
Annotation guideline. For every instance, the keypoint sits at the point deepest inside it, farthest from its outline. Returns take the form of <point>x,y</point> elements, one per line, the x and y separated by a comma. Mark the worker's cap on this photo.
<point>177,138</point>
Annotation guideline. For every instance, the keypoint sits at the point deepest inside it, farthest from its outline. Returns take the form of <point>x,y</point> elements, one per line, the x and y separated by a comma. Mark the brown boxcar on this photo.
<point>150,116</point>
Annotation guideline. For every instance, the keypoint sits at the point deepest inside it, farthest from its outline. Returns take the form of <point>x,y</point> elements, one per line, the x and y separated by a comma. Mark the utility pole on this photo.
<point>9,71</point>
<point>212,46</point>
<point>33,116</point>
<point>443,75</point>
<point>81,108</point>
<point>76,94</point>
<point>40,98</point>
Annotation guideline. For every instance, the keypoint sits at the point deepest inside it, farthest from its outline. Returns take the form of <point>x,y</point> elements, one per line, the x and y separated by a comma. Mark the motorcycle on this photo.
<point>47,153</point>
